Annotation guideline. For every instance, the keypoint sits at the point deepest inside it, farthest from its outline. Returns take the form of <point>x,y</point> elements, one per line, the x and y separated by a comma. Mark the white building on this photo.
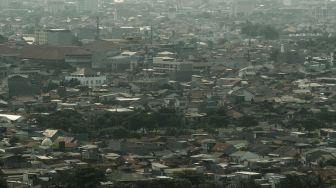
<point>87,78</point>
<point>168,64</point>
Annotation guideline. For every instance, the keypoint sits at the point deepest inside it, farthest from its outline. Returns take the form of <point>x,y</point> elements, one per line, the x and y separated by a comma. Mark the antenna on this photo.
<point>151,34</point>
<point>97,29</point>
<point>248,52</point>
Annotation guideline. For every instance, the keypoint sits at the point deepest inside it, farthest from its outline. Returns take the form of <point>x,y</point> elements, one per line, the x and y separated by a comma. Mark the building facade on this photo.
<point>87,77</point>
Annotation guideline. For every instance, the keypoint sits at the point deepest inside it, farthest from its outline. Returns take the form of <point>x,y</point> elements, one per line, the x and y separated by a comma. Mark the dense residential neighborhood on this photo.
<point>168,94</point>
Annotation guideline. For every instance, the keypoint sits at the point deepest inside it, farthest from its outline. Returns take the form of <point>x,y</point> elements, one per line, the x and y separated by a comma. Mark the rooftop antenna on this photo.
<point>115,14</point>
<point>248,52</point>
<point>151,33</point>
<point>97,29</point>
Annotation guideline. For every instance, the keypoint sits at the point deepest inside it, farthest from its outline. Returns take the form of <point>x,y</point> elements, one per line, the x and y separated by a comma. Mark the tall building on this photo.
<point>320,13</point>
<point>56,6</point>
<point>54,37</point>
<point>241,8</point>
<point>287,2</point>
<point>87,5</point>
<point>332,58</point>
<point>59,37</point>
<point>41,37</point>
<point>4,4</point>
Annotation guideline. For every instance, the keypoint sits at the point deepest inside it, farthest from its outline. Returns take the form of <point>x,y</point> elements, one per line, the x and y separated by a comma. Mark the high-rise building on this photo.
<point>287,2</point>
<point>54,37</point>
<point>4,4</point>
<point>41,37</point>
<point>56,6</point>
<point>59,37</point>
<point>320,13</point>
<point>242,8</point>
<point>87,5</point>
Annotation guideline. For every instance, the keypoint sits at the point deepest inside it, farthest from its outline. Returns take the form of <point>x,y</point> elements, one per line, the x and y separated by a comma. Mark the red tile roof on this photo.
<point>5,50</point>
<point>50,53</point>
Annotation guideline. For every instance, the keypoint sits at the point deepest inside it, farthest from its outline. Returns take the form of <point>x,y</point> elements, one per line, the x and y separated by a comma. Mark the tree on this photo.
<point>3,39</point>
<point>194,177</point>
<point>85,177</point>
<point>222,41</point>
<point>270,33</point>
<point>274,55</point>
<point>72,83</point>
<point>248,121</point>
<point>88,177</point>
<point>293,57</point>
<point>254,30</point>
<point>217,118</point>
<point>311,124</point>
<point>326,116</point>
<point>115,132</point>
<point>142,120</point>
<point>308,181</point>
<point>13,140</point>
<point>3,182</point>
<point>67,120</point>
<point>167,118</point>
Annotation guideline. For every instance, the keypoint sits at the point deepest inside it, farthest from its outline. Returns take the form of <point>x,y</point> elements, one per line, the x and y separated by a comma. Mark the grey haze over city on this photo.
<point>167,93</point>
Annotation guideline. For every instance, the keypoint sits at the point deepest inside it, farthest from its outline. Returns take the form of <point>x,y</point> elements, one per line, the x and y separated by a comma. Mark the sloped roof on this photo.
<point>101,45</point>
<point>50,132</point>
<point>84,72</point>
<point>11,117</point>
<point>285,151</point>
<point>5,50</point>
<point>50,52</point>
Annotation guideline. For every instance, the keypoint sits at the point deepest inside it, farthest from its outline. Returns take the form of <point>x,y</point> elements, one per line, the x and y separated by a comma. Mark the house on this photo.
<point>14,161</point>
<point>224,148</point>
<point>315,156</point>
<point>285,151</point>
<point>243,156</point>
<point>159,168</point>
<point>242,95</point>
<point>89,152</point>
<point>53,134</point>
<point>10,118</point>
<point>66,143</point>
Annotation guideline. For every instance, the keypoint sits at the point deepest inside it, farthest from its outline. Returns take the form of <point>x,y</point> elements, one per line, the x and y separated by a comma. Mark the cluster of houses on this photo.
<point>189,57</point>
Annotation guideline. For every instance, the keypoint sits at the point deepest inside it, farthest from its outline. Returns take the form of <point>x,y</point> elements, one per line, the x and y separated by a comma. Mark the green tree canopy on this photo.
<point>248,121</point>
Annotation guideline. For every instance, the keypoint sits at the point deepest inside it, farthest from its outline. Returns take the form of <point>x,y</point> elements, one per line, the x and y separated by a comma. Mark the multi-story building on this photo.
<point>241,8</point>
<point>4,4</point>
<point>59,37</point>
<point>54,37</point>
<point>87,77</point>
<point>56,6</point>
<point>41,37</point>
<point>87,5</point>
<point>176,70</point>
<point>168,64</point>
